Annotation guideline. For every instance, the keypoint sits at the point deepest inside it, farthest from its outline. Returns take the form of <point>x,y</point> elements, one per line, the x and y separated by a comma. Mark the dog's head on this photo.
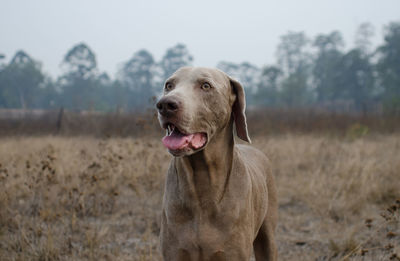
<point>198,103</point>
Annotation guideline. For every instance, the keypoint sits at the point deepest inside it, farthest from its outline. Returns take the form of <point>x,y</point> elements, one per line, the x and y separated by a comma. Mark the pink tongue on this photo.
<point>178,141</point>
<point>198,140</point>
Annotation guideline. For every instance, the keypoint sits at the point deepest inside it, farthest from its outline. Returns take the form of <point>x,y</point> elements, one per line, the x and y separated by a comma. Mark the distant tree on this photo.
<point>328,42</point>
<point>137,72</point>
<point>249,76</point>
<point>246,73</point>
<point>2,65</point>
<point>232,69</point>
<point>174,58</point>
<point>137,75</point>
<point>357,79</point>
<point>2,87</point>
<point>327,66</point>
<point>295,62</point>
<point>292,52</point>
<point>47,96</point>
<point>388,67</point>
<point>363,37</point>
<point>80,62</point>
<point>121,96</point>
<point>268,88</point>
<point>79,81</point>
<point>294,90</point>
<point>20,82</point>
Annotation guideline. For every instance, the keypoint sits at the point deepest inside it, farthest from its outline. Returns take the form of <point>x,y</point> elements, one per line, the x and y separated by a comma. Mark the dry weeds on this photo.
<point>138,124</point>
<point>99,199</point>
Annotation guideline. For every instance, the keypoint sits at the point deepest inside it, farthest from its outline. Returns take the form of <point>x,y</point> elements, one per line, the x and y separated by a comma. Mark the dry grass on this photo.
<point>99,199</point>
<point>267,121</point>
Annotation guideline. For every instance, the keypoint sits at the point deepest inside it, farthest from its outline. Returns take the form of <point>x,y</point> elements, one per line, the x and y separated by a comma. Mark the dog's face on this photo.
<point>197,103</point>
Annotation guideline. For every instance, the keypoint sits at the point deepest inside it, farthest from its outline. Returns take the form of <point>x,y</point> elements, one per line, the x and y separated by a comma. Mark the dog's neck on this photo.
<point>203,176</point>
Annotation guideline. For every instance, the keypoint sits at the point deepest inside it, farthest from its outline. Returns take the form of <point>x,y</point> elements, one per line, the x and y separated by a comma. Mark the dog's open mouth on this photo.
<point>176,140</point>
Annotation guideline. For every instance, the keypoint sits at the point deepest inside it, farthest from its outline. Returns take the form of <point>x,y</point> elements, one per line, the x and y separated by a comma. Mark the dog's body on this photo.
<point>220,198</point>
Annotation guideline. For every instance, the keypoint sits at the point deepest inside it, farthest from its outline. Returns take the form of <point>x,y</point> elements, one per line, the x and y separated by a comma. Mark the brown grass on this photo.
<point>80,198</point>
<point>138,124</point>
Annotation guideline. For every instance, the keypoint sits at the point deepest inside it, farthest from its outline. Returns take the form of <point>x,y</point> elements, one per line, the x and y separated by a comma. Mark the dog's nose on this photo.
<point>167,105</point>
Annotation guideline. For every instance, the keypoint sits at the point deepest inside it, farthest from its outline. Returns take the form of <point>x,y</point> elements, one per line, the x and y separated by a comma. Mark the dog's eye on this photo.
<point>168,86</point>
<point>206,86</point>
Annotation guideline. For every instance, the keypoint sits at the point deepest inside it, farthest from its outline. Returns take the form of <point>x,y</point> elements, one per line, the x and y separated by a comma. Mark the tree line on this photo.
<point>309,72</point>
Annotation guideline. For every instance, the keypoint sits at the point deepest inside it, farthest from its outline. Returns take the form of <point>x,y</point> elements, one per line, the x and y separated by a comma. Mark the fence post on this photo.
<point>59,119</point>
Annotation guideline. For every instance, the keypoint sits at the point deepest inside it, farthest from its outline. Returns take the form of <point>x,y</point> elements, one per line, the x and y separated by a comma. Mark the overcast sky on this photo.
<point>213,31</point>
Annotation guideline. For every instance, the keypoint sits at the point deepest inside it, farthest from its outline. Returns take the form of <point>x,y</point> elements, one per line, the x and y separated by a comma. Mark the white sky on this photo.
<point>213,31</point>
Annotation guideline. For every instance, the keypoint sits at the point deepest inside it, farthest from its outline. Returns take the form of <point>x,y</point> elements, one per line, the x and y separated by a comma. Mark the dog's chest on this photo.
<point>210,214</point>
<point>207,232</point>
<point>198,222</point>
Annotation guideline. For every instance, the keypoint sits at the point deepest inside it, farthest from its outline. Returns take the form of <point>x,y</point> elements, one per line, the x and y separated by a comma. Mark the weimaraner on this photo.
<point>220,199</point>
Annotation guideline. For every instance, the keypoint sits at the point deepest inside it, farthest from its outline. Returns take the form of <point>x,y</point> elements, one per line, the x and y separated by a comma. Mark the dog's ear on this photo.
<point>238,110</point>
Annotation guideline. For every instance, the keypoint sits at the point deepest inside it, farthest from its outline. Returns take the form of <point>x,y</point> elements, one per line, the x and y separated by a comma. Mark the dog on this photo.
<point>220,199</point>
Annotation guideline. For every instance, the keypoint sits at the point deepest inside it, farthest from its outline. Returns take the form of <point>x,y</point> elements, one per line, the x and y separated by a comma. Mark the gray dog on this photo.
<point>220,199</point>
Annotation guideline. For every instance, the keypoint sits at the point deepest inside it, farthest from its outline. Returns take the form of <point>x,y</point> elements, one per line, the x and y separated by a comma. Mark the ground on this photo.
<point>84,198</point>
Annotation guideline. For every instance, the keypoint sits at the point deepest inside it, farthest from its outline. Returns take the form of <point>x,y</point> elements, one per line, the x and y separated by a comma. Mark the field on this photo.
<point>86,198</point>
